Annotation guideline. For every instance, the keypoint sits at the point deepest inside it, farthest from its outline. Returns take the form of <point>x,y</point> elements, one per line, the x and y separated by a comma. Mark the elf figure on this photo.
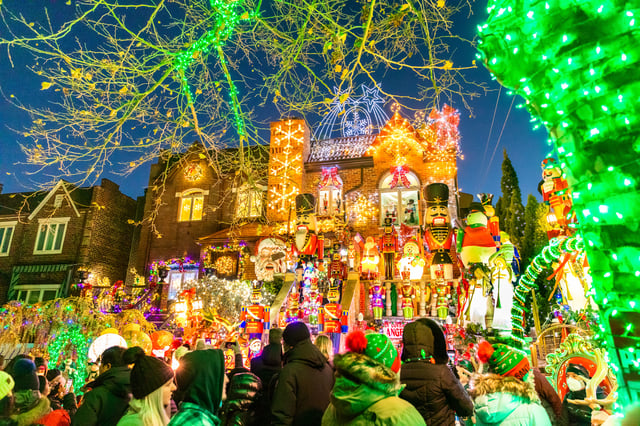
<point>408,295</point>
<point>307,244</point>
<point>337,268</point>
<point>388,245</point>
<point>255,317</point>
<point>412,260</point>
<point>370,260</point>
<point>377,296</point>
<point>332,318</point>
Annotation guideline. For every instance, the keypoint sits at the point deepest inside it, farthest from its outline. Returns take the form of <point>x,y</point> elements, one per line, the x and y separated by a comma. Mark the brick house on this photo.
<point>202,217</point>
<point>46,236</point>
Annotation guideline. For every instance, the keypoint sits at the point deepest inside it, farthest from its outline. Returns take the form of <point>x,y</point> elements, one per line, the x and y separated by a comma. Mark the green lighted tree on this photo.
<point>148,78</point>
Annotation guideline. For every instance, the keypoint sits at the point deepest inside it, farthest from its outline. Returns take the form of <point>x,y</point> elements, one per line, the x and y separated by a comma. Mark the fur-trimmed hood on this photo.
<point>485,384</point>
<point>39,410</point>
<point>360,383</point>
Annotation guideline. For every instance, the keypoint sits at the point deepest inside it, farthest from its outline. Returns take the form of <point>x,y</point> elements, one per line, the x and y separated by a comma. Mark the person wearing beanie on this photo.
<point>302,390</point>
<point>202,380</point>
<point>506,396</point>
<point>110,393</point>
<point>267,366</point>
<point>151,385</point>
<point>368,384</point>
<point>29,406</point>
<point>431,386</point>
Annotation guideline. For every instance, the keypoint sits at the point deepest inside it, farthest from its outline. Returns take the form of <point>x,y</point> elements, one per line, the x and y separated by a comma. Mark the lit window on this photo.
<point>191,204</point>
<point>34,293</point>
<point>6,234</point>
<point>399,198</point>
<point>179,281</point>
<point>250,201</point>
<point>51,234</point>
<point>330,192</point>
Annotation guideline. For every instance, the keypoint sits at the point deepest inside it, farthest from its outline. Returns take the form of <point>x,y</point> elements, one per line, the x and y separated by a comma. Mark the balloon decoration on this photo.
<point>134,336</point>
<point>161,340</point>
<point>105,341</point>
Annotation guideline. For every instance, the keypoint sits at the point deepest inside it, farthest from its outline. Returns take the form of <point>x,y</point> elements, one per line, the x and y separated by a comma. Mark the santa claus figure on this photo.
<point>388,245</point>
<point>308,246</point>
<point>270,258</point>
<point>370,260</point>
<point>255,317</point>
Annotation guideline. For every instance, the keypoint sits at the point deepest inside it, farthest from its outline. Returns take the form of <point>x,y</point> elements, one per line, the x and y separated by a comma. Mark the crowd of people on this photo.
<point>294,381</point>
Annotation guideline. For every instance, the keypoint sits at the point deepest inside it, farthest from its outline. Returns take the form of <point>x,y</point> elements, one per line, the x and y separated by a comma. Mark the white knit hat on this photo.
<point>6,384</point>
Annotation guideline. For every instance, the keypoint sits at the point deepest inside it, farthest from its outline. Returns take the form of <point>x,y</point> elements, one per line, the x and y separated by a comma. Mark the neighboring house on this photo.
<point>46,236</point>
<point>358,180</point>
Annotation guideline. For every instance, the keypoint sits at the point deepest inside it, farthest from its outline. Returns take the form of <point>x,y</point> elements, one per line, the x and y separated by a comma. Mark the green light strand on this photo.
<point>73,335</point>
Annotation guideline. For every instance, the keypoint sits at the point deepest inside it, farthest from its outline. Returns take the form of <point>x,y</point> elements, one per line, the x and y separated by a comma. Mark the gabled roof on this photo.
<point>31,202</point>
<point>340,148</point>
<point>60,184</point>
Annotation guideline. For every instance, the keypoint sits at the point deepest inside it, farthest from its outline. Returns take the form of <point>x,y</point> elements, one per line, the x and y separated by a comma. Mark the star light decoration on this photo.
<point>575,63</point>
<point>397,140</point>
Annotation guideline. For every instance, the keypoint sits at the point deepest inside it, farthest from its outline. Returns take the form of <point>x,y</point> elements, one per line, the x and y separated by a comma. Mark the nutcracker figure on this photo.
<point>443,295</point>
<point>352,255</point>
<point>337,268</point>
<point>388,245</point>
<point>293,304</point>
<point>408,294</point>
<point>370,260</point>
<point>255,317</point>
<point>555,193</point>
<point>377,296</point>
<point>332,318</point>
<point>307,245</point>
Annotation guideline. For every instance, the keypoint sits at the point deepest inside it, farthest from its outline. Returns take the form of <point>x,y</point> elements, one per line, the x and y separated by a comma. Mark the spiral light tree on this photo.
<point>575,63</point>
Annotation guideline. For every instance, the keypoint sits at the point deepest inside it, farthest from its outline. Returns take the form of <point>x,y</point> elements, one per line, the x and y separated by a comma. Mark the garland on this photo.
<point>527,282</point>
<point>60,346</point>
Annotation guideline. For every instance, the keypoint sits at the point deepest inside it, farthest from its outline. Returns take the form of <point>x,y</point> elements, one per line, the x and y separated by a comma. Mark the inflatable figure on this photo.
<point>255,317</point>
<point>388,245</point>
<point>307,244</point>
<point>493,223</point>
<point>412,261</point>
<point>502,278</point>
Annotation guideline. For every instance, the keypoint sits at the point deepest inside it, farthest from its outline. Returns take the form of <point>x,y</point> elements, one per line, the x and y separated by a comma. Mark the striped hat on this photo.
<point>504,360</point>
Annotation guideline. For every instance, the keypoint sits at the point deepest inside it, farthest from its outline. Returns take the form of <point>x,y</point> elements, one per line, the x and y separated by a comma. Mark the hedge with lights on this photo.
<point>575,63</point>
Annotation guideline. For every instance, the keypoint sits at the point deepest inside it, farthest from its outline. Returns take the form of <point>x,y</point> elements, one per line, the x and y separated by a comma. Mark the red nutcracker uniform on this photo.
<point>332,318</point>
<point>256,318</point>
<point>337,268</point>
<point>388,246</point>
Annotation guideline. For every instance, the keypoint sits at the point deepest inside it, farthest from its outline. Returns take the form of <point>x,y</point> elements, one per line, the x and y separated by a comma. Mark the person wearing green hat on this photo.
<point>368,384</point>
<point>507,396</point>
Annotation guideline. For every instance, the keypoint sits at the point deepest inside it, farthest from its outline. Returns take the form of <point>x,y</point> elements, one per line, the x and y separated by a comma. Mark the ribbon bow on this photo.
<point>330,177</point>
<point>189,293</point>
<point>399,174</point>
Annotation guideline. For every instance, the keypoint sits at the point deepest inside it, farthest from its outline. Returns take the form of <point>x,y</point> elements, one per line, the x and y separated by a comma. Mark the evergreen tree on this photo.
<point>500,211</point>
<point>512,209</point>
<point>530,224</point>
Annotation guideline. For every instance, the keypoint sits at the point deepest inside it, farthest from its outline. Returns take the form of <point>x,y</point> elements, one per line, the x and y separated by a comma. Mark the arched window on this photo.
<point>399,198</point>
<point>191,205</point>
<point>330,192</point>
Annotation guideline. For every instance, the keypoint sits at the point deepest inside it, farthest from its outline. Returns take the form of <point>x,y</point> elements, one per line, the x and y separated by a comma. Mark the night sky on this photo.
<point>476,172</point>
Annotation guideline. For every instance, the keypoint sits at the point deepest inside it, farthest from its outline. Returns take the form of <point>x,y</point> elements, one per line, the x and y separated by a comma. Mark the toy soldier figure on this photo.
<point>307,244</point>
<point>337,268</point>
<point>408,294</point>
<point>333,319</point>
<point>255,317</point>
<point>376,293</point>
<point>388,245</point>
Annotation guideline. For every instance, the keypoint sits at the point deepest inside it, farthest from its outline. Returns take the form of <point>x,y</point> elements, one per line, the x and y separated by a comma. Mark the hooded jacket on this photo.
<point>200,378</point>
<point>107,401</point>
<point>431,387</point>
<point>30,408</point>
<point>266,367</point>
<point>507,401</point>
<point>304,384</point>
<point>366,393</point>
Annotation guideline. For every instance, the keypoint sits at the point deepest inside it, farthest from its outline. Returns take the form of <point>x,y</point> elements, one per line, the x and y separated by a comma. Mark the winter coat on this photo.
<point>507,401</point>
<point>431,386</point>
<point>239,407</point>
<point>107,401</point>
<point>548,396</point>
<point>33,409</point>
<point>366,393</point>
<point>267,366</point>
<point>200,378</point>
<point>304,384</point>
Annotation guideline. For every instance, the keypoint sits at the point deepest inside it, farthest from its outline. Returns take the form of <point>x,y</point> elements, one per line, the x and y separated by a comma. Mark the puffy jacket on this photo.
<point>507,401</point>
<point>239,407</point>
<point>267,366</point>
<point>304,384</point>
<point>107,401</point>
<point>431,387</point>
<point>366,393</point>
<point>30,408</point>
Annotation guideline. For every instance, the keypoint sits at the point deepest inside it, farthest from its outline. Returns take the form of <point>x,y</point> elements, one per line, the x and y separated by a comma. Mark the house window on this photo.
<point>399,198</point>
<point>178,280</point>
<point>6,234</point>
<point>250,201</point>
<point>330,192</point>
<point>191,204</point>
<point>31,293</point>
<point>51,234</point>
